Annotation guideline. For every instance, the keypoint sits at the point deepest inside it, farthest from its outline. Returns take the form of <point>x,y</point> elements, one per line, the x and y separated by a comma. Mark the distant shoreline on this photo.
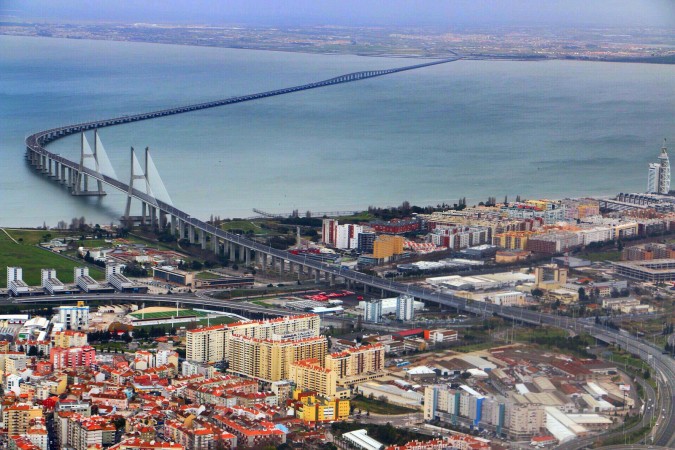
<point>667,60</point>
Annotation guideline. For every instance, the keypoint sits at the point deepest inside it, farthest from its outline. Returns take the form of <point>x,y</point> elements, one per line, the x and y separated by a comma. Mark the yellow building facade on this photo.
<point>356,365</point>
<point>386,246</point>
<point>17,417</point>
<point>270,360</point>
<point>513,240</point>
<point>310,375</point>
<point>317,408</point>
<point>205,344</point>
<point>69,338</point>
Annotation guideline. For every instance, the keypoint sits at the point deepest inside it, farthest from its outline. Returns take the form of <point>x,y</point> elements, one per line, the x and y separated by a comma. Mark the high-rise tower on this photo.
<point>658,181</point>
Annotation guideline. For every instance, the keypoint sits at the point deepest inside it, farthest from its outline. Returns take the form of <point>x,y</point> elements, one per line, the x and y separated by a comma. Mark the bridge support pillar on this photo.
<point>282,265</point>
<point>317,275</point>
<point>144,212</point>
<point>247,253</point>
<point>153,216</point>
<point>162,220</point>
<point>291,267</point>
<point>191,234</point>
<point>63,174</point>
<point>232,251</point>
<point>332,279</point>
<point>202,239</point>
<point>181,229</point>
<point>173,225</point>
<point>215,244</point>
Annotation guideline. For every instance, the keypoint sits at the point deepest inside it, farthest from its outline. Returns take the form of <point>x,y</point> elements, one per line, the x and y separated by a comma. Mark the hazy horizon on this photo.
<point>569,13</point>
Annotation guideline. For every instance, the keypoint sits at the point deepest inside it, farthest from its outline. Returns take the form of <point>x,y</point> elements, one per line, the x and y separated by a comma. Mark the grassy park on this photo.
<point>376,406</point>
<point>31,258</point>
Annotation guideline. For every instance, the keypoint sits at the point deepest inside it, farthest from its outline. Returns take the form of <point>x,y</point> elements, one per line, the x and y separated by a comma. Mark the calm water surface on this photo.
<point>466,129</point>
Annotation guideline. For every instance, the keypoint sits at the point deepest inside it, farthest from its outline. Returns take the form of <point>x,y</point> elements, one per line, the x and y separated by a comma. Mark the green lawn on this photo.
<point>32,259</point>
<point>364,216</point>
<point>612,255</point>
<point>219,320</point>
<point>207,276</point>
<point>376,406</point>
<point>242,226</point>
<point>262,303</point>
<point>32,237</point>
<point>530,334</point>
<point>135,238</point>
<point>468,348</point>
<point>169,314</point>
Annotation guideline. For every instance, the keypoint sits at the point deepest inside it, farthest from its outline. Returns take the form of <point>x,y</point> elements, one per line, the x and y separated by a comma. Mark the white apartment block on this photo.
<point>50,283</point>
<point>15,283</point>
<point>74,317</point>
<point>405,307</point>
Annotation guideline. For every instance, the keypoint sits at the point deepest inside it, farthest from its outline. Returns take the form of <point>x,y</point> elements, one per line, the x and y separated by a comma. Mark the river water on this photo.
<point>465,129</point>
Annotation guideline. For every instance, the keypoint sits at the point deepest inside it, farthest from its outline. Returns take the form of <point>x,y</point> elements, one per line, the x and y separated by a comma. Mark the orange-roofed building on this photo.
<point>17,418</point>
<point>22,443</point>
<point>69,338</point>
<point>457,441</point>
<point>196,435</point>
<point>140,444</point>
<point>250,432</point>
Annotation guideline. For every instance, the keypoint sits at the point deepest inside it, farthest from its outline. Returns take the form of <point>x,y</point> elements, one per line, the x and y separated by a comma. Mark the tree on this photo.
<point>537,292</point>
<point>119,422</point>
<point>582,295</point>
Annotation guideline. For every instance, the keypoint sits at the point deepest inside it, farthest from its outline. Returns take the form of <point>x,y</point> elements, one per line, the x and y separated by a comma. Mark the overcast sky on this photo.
<point>445,13</point>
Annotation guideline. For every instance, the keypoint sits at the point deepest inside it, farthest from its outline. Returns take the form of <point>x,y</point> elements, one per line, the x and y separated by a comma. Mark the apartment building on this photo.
<point>68,358</point>
<point>17,417</point>
<point>270,359</point>
<point>310,375</point>
<point>205,344</point>
<point>356,365</point>
<point>69,338</point>
<point>212,344</point>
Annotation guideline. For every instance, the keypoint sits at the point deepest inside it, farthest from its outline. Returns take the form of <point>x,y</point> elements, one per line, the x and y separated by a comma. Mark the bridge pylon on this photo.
<point>137,173</point>
<point>81,186</point>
